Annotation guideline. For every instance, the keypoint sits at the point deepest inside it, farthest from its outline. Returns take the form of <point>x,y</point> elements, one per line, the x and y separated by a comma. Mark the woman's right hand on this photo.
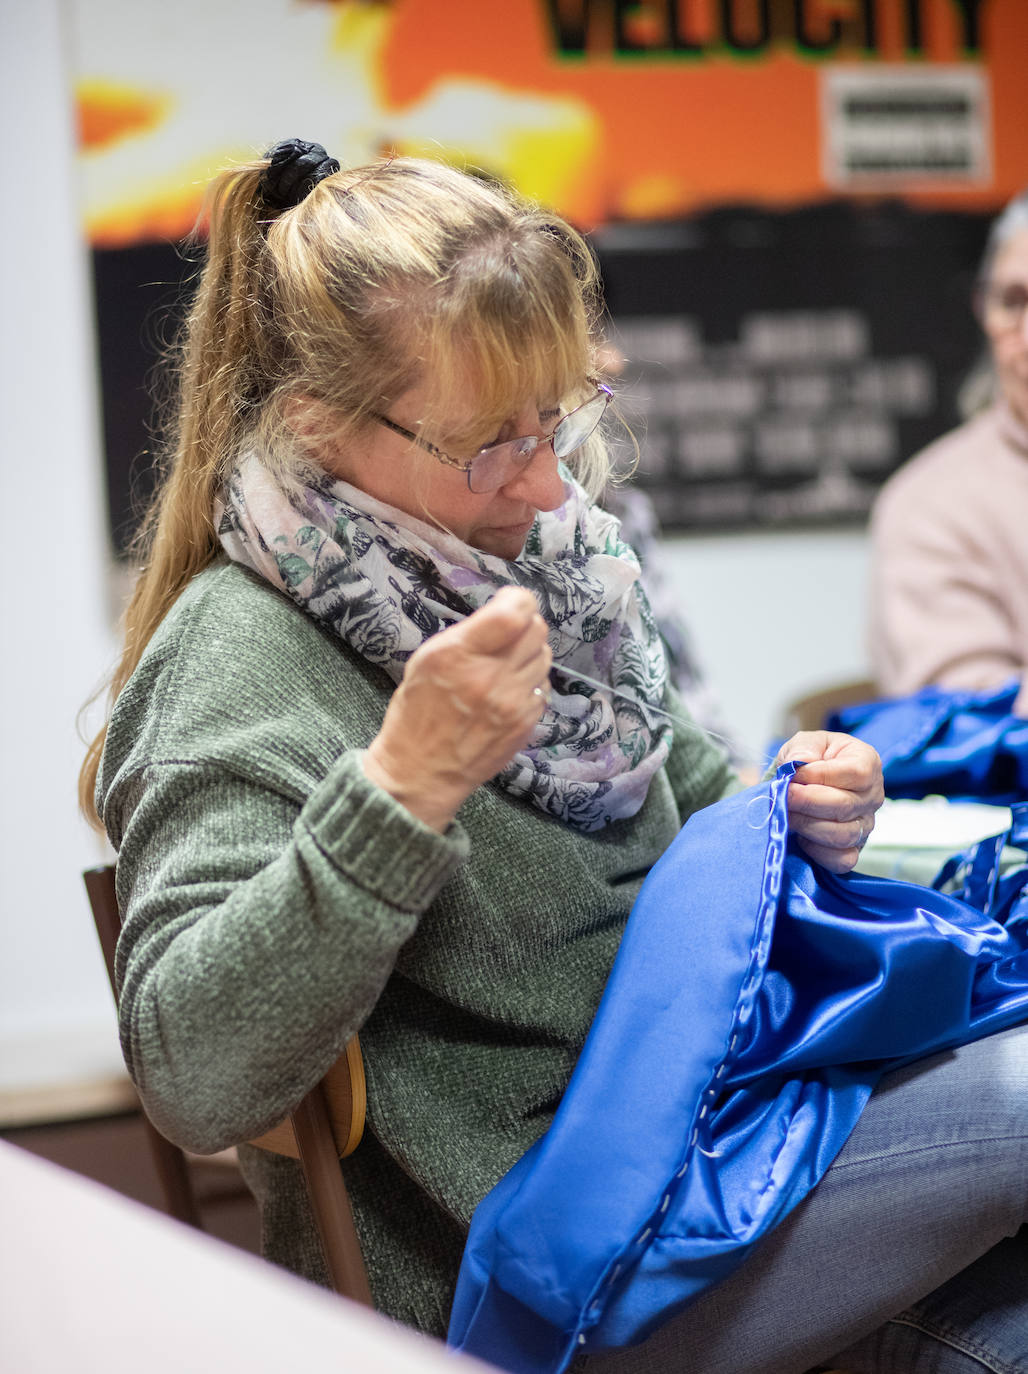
<point>466,705</point>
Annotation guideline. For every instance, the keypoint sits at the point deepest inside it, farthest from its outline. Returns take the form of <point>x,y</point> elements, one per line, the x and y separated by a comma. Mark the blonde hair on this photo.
<point>308,321</point>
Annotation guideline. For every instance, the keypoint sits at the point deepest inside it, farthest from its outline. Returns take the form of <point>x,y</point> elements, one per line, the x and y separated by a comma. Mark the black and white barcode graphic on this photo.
<point>894,126</point>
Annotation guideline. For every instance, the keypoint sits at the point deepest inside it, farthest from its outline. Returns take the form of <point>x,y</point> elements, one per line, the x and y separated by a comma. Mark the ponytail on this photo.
<point>221,359</point>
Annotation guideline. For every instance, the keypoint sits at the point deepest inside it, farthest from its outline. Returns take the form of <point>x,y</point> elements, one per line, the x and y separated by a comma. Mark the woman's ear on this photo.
<point>310,420</point>
<point>320,432</point>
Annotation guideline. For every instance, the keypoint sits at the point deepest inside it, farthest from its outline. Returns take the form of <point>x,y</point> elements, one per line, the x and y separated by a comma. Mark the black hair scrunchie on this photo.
<point>295,168</point>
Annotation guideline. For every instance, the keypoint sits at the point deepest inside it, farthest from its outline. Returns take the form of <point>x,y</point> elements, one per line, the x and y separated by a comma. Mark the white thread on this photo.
<point>763,802</point>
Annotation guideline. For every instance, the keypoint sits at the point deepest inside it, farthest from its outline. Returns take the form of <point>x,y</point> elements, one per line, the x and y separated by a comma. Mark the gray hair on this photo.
<point>1010,221</point>
<point>978,388</point>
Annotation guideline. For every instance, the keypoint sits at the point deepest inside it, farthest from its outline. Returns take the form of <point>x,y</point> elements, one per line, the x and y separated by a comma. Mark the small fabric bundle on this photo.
<point>755,1001</point>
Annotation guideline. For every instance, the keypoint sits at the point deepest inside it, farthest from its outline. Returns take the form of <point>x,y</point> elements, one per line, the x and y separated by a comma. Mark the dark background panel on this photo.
<point>871,300</point>
<point>140,293</point>
<point>873,305</point>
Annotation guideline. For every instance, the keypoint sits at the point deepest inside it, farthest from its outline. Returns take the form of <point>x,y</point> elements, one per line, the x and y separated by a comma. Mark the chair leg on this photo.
<point>173,1173</point>
<point>330,1202</point>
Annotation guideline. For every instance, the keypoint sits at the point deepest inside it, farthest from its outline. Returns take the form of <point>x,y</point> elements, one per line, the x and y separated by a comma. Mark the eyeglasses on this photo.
<point>496,465</point>
<point>1002,305</point>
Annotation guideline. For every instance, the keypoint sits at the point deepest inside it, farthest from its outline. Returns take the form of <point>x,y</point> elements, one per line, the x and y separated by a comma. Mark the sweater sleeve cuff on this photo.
<point>376,842</point>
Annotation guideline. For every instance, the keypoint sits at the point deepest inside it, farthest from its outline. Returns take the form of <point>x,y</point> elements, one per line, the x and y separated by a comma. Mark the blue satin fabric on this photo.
<point>754,1003</point>
<point>956,744</point>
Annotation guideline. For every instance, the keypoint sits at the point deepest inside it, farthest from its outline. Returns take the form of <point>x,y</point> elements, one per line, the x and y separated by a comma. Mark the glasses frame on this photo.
<point>466,465</point>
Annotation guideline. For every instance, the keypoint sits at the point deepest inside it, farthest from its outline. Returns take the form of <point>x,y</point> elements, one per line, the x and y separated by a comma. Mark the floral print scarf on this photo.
<point>384,582</point>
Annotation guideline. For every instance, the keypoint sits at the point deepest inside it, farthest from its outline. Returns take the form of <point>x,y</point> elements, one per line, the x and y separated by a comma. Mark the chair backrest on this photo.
<point>810,711</point>
<point>323,1128</point>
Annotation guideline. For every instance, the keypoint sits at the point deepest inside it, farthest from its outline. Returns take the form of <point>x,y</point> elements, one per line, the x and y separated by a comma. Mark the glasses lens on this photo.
<point>493,467</point>
<point>575,428</point>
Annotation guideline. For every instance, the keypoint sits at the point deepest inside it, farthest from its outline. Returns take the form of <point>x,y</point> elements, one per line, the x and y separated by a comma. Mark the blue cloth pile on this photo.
<point>953,744</point>
<point>754,1003</point>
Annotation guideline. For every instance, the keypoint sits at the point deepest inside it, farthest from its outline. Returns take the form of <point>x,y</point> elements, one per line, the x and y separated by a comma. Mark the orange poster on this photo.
<point>788,198</point>
<point>607,110</point>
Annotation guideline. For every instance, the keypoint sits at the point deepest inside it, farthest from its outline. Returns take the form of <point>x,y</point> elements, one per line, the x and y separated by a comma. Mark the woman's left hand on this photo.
<point>834,796</point>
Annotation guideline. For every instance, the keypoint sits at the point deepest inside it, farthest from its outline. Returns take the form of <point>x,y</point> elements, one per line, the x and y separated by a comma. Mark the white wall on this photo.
<point>56,1015</point>
<point>773,614</point>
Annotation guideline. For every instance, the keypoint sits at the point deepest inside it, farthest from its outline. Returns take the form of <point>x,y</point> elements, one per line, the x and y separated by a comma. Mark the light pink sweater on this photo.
<point>949,562</point>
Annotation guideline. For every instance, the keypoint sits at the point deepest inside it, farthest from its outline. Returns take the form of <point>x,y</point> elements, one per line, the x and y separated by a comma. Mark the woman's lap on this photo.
<point>933,1177</point>
<point>978,1320</point>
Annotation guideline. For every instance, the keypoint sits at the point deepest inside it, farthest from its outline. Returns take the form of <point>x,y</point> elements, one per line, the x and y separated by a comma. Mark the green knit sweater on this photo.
<point>276,901</point>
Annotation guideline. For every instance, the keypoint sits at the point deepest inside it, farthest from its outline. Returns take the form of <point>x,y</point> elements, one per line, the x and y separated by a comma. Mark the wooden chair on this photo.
<point>810,711</point>
<point>325,1127</point>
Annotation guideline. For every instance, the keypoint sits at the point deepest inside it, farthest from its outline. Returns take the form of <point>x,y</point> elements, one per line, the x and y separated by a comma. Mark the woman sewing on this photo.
<point>392,749</point>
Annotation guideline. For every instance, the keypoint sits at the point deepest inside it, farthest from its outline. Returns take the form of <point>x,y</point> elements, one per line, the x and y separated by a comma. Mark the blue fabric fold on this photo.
<point>955,744</point>
<point>755,1001</point>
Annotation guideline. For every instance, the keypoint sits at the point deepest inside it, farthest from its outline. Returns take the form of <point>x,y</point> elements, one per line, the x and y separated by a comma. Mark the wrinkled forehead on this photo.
<point>1010,262</point>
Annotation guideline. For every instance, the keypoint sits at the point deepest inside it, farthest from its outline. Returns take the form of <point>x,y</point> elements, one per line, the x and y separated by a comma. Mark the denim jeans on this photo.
<point>908,1257</point>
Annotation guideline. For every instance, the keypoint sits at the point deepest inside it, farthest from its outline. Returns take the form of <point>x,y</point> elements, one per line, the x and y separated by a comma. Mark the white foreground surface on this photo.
<point>92,1282</point>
